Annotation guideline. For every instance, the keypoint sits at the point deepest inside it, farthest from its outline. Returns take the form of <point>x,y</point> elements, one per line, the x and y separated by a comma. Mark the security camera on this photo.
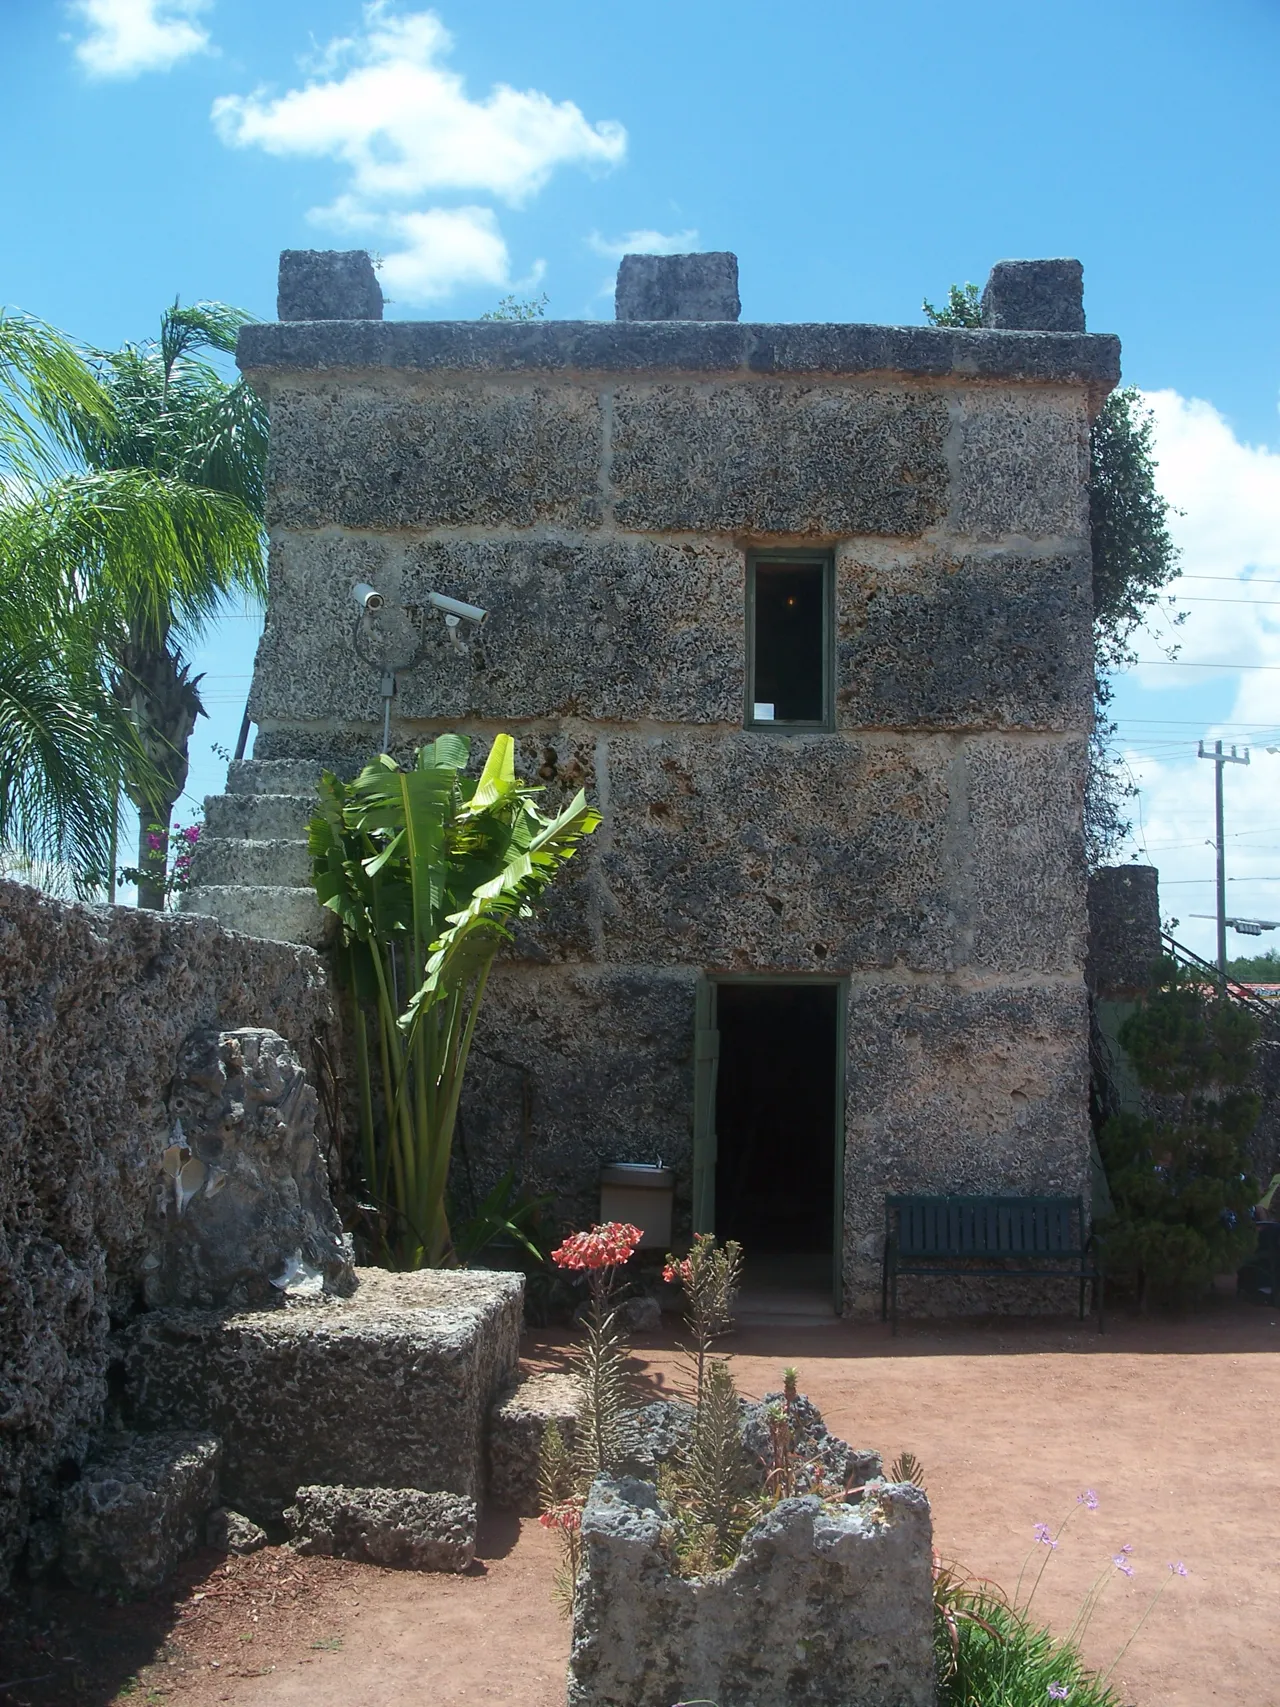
<point>367,598</point>
<point>457,608</point>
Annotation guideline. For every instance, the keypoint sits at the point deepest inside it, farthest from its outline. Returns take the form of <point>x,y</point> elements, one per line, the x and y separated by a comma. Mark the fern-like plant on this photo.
<point>711,1275</point>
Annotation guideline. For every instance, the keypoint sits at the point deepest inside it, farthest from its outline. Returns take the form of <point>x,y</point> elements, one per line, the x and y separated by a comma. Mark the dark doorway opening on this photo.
<point>776,1117</point>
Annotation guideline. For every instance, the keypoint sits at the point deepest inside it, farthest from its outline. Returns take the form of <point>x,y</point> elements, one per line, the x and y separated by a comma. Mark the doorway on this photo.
<point>777,1123</point>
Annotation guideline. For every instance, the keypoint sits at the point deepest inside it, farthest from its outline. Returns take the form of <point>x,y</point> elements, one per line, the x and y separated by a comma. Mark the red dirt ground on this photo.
<point>1172,1422</point>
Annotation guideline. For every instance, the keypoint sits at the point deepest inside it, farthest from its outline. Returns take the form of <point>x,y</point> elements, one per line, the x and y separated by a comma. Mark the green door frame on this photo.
<point>706,1067</point>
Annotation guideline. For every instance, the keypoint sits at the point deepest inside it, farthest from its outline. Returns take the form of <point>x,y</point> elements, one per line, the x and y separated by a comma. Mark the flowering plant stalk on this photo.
<point>602,1427</point>
<point>711,1276</point>
<point>158,873</point>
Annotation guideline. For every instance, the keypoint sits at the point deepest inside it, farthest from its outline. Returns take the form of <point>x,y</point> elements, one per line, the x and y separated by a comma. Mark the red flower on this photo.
<point>567,1515</point>
<point>604,1246</point>
<point>678,1271</point>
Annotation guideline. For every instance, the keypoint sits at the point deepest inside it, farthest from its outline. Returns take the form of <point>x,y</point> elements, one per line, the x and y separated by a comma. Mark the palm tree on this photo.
<point>64,739</point>
<point>150,520</point>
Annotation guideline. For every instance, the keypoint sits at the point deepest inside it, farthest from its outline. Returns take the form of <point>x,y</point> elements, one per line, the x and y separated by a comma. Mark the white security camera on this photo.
<point>457,608</point>
<point>367,598</point>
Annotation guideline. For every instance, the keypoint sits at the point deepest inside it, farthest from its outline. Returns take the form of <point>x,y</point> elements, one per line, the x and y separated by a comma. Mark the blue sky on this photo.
<point>855,155</point>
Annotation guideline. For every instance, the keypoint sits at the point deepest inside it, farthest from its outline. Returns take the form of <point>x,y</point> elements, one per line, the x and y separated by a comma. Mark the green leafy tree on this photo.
<point>425,869</point>
<point>1179,1177</point>
<point>1134,560</point>
<point>513,308</point>
<point>133,510</point>
<point>1256,968</point>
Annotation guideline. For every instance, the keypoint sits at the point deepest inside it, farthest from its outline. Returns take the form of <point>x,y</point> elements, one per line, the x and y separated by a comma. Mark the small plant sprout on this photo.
<point>906,1467</point>
<point>710,1275</point>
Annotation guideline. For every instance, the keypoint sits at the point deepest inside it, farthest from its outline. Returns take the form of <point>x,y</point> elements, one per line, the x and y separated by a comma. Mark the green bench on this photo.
<point>999,1238</point>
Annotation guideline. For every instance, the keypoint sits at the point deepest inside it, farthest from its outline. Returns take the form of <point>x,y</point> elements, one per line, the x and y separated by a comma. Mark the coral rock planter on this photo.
<point>824,1607</point>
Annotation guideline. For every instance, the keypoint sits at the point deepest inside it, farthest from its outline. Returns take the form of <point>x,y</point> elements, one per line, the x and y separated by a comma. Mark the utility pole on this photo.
<point>1219,759</point>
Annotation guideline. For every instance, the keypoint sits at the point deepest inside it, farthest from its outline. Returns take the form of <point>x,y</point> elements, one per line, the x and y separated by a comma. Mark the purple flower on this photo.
<point>1059,1691</point>
<point>1179,1570</point>
<point>1088,1498</point>
<point>191,833</point>
<point>1122,1564</point>
<point>155,843</point>
<point>1045,1534</point>
<point>1127,1548</point>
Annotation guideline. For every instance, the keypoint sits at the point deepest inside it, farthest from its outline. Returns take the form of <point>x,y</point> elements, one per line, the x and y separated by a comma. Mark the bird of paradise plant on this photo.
<point>424,869</point>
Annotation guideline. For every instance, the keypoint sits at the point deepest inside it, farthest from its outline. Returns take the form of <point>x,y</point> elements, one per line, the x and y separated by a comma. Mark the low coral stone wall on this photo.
<point>95,1005</point>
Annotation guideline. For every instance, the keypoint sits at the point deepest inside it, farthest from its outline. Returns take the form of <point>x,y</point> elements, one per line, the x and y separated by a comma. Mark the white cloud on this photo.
<point>643,242</point>
<point>441,249</point>
<point>385,106</point>
<point>404,124</point>
<point>1230,535</point>
<point>127,37</point>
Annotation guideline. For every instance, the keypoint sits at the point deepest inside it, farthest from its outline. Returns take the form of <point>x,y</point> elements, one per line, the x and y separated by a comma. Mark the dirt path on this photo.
<point>1172,1423</point>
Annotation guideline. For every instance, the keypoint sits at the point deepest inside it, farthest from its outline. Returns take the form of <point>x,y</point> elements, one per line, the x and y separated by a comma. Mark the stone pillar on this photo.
<point>1124,930</point>
<point>678,287</point>
<point>1034,296</point>
<point>327,284</point>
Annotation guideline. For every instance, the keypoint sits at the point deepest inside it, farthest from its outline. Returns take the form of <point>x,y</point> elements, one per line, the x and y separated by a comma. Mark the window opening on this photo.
<point>790,642</point>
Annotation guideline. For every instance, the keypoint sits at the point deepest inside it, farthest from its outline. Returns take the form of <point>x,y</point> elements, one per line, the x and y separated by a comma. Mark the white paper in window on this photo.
<point>762,711</point>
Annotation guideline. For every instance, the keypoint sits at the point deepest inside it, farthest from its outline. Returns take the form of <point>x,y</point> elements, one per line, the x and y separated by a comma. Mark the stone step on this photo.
<point>518,1420</point>
<point>259,817</point>
<point>274,911</point>
<point>221,860</point>
<point>273,776</point>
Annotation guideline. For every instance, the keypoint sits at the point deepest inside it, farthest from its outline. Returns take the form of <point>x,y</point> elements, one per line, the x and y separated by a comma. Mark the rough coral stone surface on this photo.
<point>327,284</point>
<point>400,1527</point>
<point>518,1424</point>
<point>1124,929</point>
<point>966,1090</point>
<point>948,641</point>
<point>387,1388</point>
<point>95,1005</point>
<point>241,1202</point>
<point>779,459</point>
<point>1022,466</point>
<point>1035,296</point>
<point>361,456</point>
<point>138,1509</point>
<point>678,287</point>
<point>618,628</point>
<point>232,1532</point>
<point>823,1607</point>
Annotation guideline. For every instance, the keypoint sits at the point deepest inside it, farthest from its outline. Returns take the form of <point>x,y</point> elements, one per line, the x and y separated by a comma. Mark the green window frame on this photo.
<point>826,562</point>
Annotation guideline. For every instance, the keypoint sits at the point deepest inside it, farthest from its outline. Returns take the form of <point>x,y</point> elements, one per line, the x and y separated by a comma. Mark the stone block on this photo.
<point>138,1510</point>
<point>1034,296</point>
<point>582,1065</point>
<point>517,1424</point>
<point>990,641</point>
<point>1124,930</point>
<point>627,629</point>
<point>272,354</point>
<point>230,1531</point>
<point>823,1605</point>
<point>1022,467</point>
<point>259,817</point>
<point>359,456</point>
<point>779,459</point>
<point>270,911</point>
<point>848,853</point>
<point>678,287</point>
<point>403,1528</point>
<point>967,1090</point>
<point>240,1201</point>
<point>1027,910</point>
<point>232,862</point>
<point>327,284</point>
<point>387,1388</point>
<point>273,776</point>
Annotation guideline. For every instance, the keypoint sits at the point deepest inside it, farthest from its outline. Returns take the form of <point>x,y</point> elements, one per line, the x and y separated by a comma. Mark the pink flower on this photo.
<point>605,1246</point>
<point>567,1516</point>
<point>191,833</point>
<point>155,843</point>
<point>677,1272</point>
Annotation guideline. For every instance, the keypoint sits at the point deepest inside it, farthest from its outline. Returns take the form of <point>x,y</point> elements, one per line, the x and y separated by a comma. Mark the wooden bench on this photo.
<point>999,1238</point>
